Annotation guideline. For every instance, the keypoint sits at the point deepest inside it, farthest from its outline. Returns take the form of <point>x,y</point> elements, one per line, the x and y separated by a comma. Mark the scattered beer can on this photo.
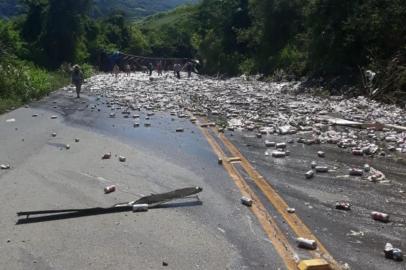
<point>5,166</point>
<point>281,145</point>
<point>357,152</point>
<point>346,206</point>
<point>106,156</point>
<point>379,216</point>
<point>393,253</point>
<point>109,189</point>
<point>220,161</point>
<point>313,164</point>
<point>278,154</point>
<point>321,169</point>
<point>246,201</point>
<point>309,174</point>
<point>270,144</point>
<point>367,168</point>
<point>306,243</point>
<point>356,172</point>
<point>140,207</point>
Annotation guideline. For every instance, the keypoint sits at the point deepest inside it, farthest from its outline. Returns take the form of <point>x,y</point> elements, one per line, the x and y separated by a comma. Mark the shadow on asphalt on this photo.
<point>76,213</point>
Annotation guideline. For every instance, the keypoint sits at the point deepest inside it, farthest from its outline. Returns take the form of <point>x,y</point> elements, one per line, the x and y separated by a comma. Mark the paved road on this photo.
<point>218,234</point>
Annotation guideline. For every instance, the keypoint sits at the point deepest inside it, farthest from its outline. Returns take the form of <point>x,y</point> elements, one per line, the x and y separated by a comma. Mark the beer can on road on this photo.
<point>306,243</point>
<point>379,216</point>
<point>109,189</point>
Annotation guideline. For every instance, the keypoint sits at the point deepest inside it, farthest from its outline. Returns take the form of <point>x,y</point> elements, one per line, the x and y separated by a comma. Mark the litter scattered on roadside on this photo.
<point>321,154</point>
<point>306,243</point>
<point>246,201</point>
<point>309,174</point>
<point>379,216</point>
<point>109,189</point>
<point>106,156</point>
<point>278,154</point>
<point>5,166</point>
<point>321,169</point>
<point>356,172</point>
<point>393,253</point>
<point>346,206</point>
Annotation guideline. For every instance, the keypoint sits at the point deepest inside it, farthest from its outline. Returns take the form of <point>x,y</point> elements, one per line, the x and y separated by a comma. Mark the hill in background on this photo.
<point>133,8</point>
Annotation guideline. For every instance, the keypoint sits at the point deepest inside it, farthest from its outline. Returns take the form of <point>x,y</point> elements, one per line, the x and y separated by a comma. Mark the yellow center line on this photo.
<point>277,237</point>
<point>280,205</point>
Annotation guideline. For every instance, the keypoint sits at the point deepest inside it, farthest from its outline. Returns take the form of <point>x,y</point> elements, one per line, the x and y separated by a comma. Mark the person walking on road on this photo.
<point>116,70</point>
<point>176,69</point>
<point>150,68</point>
<point>189,68</point>
<point>159,68</point>
<point>77,79</point>
<point>128,69</point>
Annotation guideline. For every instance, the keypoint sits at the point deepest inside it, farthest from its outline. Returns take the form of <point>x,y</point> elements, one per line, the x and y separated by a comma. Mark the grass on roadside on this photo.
<point>21,82</point>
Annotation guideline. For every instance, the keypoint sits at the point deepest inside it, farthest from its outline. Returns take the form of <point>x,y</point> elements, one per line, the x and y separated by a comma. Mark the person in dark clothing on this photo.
<point>159,68</point>
<point>77,79</point>
<point>189,68</point>
<point>177,68</point>
<point>150,68</point>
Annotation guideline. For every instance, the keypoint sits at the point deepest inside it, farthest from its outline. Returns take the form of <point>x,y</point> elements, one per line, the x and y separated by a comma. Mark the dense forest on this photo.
<point>322,40</point>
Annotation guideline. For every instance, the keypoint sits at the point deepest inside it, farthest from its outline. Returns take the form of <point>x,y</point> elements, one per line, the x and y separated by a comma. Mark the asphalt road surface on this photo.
<point>218,233</point>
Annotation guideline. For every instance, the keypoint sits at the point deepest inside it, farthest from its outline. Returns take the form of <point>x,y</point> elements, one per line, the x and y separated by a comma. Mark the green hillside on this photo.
<point>132,8</point>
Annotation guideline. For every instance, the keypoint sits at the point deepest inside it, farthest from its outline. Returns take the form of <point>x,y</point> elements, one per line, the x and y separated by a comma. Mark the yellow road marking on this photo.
<point>267,222</point>
<point>280,205</point>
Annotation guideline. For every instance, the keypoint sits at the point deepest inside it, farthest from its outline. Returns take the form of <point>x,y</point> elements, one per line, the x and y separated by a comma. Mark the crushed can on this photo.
<point>278,154</point>
<point>309,174</point>
<point>246,201</point>
<point>321,169</point>
<point>356,172</point>
<point>379,216</point>
<point>306,243</point>
<point>106,156</point>
<point>220,161</point>
<point>109,189</point>
<point>346,206</point>
<point>313,164</point>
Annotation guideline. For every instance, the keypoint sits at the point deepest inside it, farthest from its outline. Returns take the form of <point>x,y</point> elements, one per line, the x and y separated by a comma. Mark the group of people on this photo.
<point>78,78</point>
